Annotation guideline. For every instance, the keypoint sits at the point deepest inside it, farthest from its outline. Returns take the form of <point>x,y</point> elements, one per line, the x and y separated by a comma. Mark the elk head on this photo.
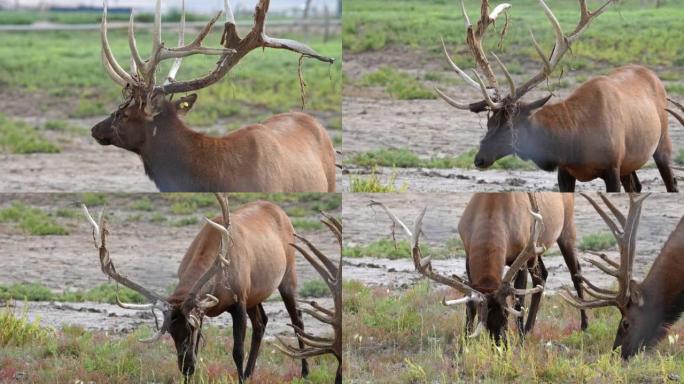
<point>493,307</point>
<point>332,275</point>
<point>640,325</point>
<point>182,320</point>
<point>507,114</point>
<point>148,109</point>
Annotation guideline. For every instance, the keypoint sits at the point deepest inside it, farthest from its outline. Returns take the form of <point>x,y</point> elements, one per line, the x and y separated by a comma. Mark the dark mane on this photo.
<point>673,312</point>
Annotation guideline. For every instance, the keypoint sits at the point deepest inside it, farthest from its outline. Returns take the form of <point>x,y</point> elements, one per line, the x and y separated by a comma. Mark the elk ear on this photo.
<point>155,104</point>
<point>184,104</point>
<point>535,104</point>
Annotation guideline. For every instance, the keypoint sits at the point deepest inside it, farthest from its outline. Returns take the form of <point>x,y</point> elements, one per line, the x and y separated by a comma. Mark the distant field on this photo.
<point>626,33</point>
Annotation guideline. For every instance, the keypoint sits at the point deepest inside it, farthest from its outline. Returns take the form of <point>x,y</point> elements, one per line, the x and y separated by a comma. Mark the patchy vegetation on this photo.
<point>410,337</point>
<point>679,159</point>
<point>373,184</point>
<point>74,354</point>
<point>405,158</point>
<point>401,249</point>
<point>104,293</point>
<point>597,242</point>
<point>314,288</point>
<point>398,84</point>
<point>21,138</point>
<point>31,220</point>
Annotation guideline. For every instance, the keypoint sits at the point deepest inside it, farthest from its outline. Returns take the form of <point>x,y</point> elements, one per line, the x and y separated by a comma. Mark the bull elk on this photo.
<point>332,275</point>
<point>499,230</point>
<point>289,152</point>
<point>648,308</point>
<point>233,265</point>
<point>607,128</point>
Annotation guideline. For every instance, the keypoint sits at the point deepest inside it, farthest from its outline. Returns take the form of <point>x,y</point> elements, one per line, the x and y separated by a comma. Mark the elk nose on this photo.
<point>99,133</point>
<point>188,370</point>
<point>479,162</point>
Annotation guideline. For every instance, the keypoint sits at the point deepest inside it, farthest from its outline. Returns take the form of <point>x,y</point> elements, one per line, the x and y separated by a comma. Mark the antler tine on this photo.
<point>562,44</point>
<point>181,41</point>
<point>222,259</point>
<point>112,67</point>
<point>333,277</point>
<point>107,265</point>
<point>585,304</point>
<point>424,265</point>
<point>628,248</point>
<point>530,249</point>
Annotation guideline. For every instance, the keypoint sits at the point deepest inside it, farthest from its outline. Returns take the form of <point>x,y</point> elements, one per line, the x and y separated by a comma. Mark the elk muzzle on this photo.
<point>103,132</point>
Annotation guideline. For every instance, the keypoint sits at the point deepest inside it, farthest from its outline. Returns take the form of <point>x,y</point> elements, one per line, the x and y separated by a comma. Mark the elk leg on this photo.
<point>612,180</point>
<point>470,308</point>
<point>258,317</point>
<point>662,159</point>
<point>539,276</point>
<point>566,182</point>
<point>296,318</point>
<point>239,314</point>
<point>631,183</point>
<point>566,245</point>
<point>520,283</point>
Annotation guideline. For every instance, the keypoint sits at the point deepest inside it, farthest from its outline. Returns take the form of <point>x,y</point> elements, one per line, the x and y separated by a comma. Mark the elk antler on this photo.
<point>107,266</point>
<point>332,275</point>
<point>624,231</point>
<point>196,309</point>
<point>143,71</point>
<point>474,41</point>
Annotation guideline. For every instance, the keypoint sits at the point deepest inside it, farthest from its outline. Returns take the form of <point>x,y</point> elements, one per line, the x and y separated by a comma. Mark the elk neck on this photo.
<point>663,287</point>
<point>177,158</point>
<point>546,137</point>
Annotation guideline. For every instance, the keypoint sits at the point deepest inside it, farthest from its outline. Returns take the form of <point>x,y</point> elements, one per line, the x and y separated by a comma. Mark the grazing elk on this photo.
<point>233,265</point>
<point>289,152</point>
<point>648,308</point>
<point>332,275</point>
<point>607,128</point>
<point>497,232</point>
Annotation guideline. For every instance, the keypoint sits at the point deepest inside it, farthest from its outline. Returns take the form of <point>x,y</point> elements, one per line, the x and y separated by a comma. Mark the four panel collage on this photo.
<point>341,191</point>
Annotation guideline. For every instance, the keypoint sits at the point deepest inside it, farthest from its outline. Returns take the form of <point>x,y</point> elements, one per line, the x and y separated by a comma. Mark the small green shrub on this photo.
<point>94,199</point>
<point>17,330</point>
<point>314,288</point>
<point>143,204</point>
<point>302,224</point>
<point>597,242</point>
<point>20,138</point>
<point>679,159</point>
<point>31,220</point>
<point>373,184</point>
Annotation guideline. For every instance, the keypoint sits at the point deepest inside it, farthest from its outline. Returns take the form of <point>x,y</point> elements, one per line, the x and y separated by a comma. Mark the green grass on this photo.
<point>184,222</point>
<point>373,184</point>
<point>303,224</point>
<point>314,288</point>
<point>143,204</point>
<point>398,84</point>
<point>679,159</point>
<point>104,293</point>
<point>20,138</point>
<point>31,220</point>
<point>369,25</point>
<point>401,249</point>
<point>94,199</point>
<point>408,336</point>
<point>59,356</point>
<point>597,242</point>
<point>405,158</point>
<point>65,69</point>
<point>86,17</point>
<point>16,330</point>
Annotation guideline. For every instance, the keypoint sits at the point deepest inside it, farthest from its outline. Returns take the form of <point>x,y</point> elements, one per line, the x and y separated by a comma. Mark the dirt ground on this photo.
<point>364,225</point>
<point>145,252</point>
<point>432,128</point>
<point>82,165</point>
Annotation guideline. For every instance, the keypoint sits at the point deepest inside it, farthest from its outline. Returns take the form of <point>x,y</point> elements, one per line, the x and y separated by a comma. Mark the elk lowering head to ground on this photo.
<point>290,152</point>
<point>607,128</point>
<point>648,308</point>
<point>233,265</point>
<point>499,230</point>
<point>332,275</point>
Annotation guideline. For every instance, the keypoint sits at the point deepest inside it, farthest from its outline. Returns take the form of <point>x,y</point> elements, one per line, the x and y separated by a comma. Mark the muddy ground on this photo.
<point>145,252</point>
<point>432,128</point>
<point>83,164</point>
<point>364,225</point>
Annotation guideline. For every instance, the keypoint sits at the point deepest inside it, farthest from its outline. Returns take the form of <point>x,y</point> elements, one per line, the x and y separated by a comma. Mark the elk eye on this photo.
<point>625,324</point>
